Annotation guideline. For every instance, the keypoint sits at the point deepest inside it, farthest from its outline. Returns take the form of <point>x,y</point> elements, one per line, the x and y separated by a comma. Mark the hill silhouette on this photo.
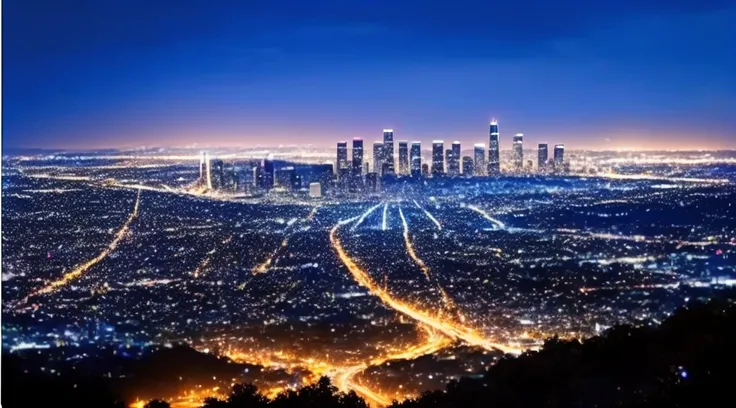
<point>687,361</point>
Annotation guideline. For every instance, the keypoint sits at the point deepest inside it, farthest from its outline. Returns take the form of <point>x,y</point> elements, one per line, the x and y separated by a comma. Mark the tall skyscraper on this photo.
<point>479,153</point>
<point>217,174</point>
<point>559,157</point>
<point>403,157</point>
<point>202,166</point>
<point>378,159</point>
<point>266,173</point>
<point>388,149</point>
<point>357,156</point>
<point>453,159</point>
<point>468,166</point>
<point>208,170</point>
<point>416,159</point>
<point>494,152</point>
<point>342,157</point>
<point>438,159</point>
<point>542,157</point>
<point>518,151</point>
<point>285,177</point>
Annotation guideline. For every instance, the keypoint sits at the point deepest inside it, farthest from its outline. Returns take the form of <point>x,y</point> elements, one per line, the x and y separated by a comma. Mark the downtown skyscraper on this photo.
<point>415,157</point>
<point>453,159</point>
<point>403,157</point>
<point>518,151</point>
<point>388,150</point>
<point>378,159</point>
<point>479,155</point>
<point>559,157</point>
<point>438,159</point>
<point>357,156</point>
<point>494,152</point>
<point>542,157</point>
<point>468,166</point>
<point>342,158</point>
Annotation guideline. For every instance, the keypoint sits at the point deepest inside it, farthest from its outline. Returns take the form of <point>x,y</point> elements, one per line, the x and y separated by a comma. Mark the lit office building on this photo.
<point>357,156</point>
<point>403,157</point>
<point>286,178</point>
<point>542,157</point>
<point>468,166</point>
<point>342,157</point>
<point>438,159</point>
<point>479,153</point>
<point>453,159</point>
<point>388,149</point>
<point>416,159</point>
<point>494,152</point>
<point>518,151</point>
<point>315,190</point>
<point>217,174</point>
<point>378,159</point>
<point>559,157</point>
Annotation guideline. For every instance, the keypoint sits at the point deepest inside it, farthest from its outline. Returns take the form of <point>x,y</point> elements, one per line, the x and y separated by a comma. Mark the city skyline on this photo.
<point>600,77</point>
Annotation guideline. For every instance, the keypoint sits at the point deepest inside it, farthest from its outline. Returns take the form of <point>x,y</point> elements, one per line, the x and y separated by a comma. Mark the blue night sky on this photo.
<point>590,74</point>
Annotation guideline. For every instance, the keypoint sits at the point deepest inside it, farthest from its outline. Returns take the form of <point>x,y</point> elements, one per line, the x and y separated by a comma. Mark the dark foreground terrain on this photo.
<point>687,361</point>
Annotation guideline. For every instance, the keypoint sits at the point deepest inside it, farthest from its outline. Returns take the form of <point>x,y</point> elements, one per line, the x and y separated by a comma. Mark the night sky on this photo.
<point>590,74</point>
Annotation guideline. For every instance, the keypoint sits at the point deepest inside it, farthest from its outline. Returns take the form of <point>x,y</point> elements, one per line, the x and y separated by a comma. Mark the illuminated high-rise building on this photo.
<point>202,166</point>
<point>518,151</point>
<point>388,149</point>
<point>416,159</point>
<point>479,154</point>
<point>342,157</point>
<point>217,174</point>
<point>357,156</point>
<point>371,182</point>
<point>542,157</point>
<point>378,159</point>
<point>494,152</point>
<point>453,159</point>
<point>208,170</point>
<point>403,157</point>
<point>468,166</point>
<point>438,159</point>
<point>285,177</point>
<point>266,171</point>
<point>559,157</point>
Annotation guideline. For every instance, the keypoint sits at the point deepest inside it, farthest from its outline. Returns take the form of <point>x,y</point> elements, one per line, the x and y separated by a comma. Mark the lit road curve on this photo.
<point>429,215</point>
<point>443,325</point>
<point>410,247</point>
<point>81,269</point>
<point>431,343</point>
<point>265,265</point>
<point>496,223</point>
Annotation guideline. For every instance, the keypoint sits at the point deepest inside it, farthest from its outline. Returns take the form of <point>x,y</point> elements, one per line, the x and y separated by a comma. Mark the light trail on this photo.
<point>81,269</point>
<point>431,343</point>
<point>265,265</point>
<point>498,224</point>
<point>429,215</point>
<point>365,215</point>
<point>385,210</point>
<point>206,261</point>
<point>410,248</point>
<point>449,328</point>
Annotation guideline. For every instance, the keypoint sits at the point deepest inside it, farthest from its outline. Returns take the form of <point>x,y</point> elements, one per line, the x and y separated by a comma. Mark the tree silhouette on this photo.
<point>157,403</point>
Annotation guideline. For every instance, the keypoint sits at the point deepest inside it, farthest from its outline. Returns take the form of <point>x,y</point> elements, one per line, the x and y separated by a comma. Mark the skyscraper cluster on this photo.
<point>448,162</point>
